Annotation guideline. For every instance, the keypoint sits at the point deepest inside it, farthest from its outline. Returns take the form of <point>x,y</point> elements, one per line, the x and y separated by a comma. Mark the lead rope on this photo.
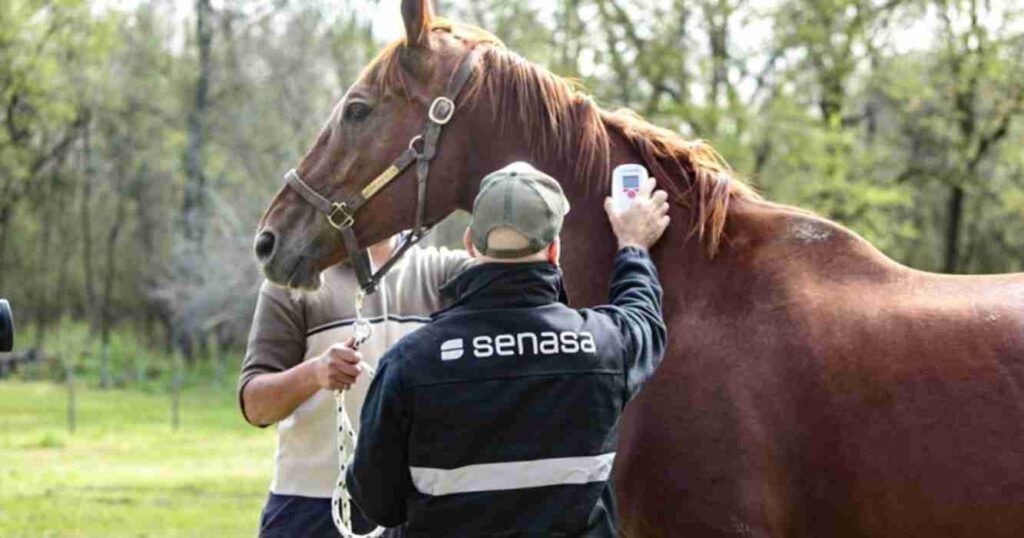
<point>341,501</point>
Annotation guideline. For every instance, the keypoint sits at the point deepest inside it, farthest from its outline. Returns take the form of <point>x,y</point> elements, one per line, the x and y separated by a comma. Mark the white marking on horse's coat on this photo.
<point>740,527</point>
<point>810,232</point>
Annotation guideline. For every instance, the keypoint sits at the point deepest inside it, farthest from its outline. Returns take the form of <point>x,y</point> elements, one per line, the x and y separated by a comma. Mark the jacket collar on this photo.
<point>506,285</point>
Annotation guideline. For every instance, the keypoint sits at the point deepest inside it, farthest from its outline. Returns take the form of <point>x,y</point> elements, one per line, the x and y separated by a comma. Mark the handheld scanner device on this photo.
<point>626,182</point>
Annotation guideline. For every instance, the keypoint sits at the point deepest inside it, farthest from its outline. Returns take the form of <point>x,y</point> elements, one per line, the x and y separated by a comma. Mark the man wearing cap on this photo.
<point>500,416</point>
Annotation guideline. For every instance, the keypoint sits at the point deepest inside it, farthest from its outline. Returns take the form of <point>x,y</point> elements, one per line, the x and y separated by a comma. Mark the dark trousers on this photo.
<point>290,516</point>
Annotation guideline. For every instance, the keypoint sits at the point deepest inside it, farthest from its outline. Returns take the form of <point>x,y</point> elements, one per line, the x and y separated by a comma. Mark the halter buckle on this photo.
<point>340,210</point>
<point>442,110</point>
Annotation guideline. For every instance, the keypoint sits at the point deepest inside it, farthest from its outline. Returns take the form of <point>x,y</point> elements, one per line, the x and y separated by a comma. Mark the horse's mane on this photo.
<point>565,123</point>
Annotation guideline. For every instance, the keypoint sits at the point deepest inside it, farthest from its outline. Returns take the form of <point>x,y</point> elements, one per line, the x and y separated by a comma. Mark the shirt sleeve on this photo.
<point>379,479</point>
<point>277,338</point>
<point>437,267</point>
<point>635,307</point>
<point>455,262</point>
<point>449,263</point>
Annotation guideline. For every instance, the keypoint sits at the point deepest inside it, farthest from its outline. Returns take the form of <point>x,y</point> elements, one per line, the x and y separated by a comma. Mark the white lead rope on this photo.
<point>341,501</point>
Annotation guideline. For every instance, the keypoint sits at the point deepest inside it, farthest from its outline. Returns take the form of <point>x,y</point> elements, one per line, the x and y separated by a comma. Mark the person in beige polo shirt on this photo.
<point>295,358</point>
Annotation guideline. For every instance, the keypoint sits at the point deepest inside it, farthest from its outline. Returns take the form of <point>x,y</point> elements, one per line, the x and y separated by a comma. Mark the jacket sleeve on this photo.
<point>378,478</point>
<point>635,307</point>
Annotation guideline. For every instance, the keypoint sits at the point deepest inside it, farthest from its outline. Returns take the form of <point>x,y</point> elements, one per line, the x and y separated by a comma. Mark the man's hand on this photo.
<point>338,367</point>
<point>646,219</point>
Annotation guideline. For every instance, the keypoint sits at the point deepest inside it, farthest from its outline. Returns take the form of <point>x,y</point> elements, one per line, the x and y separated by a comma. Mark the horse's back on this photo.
<point>911,410</point>
<point>874,401</point>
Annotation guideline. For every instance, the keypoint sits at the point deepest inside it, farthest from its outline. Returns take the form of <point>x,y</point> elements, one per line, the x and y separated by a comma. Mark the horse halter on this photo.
<point>342,215</point>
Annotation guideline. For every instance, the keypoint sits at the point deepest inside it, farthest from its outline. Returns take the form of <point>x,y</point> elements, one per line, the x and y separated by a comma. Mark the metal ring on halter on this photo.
<point>441,110</point>
<point>361,331</point>
<point>361,328</point>
<point>412,143</point>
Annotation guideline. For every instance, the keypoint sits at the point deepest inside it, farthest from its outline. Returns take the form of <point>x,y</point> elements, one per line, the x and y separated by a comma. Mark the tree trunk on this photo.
<point>65,227</point>
<point>42,273</point>
<point>717,19</point>
<point>194,206</point>
<point>195,199</point>
<point>569,23</point>
<point>106,316</point>
<point>953,229</point>
<point>5,225</point>
<point>146,229</point>
<point>85,214</point>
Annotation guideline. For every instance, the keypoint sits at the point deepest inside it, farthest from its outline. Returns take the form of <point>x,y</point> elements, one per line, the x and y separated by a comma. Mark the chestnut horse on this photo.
<point>813,387</point>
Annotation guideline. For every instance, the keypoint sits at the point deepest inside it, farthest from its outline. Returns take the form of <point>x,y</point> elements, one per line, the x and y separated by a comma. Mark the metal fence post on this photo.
<point>69,374</point>
<point>176,394</point>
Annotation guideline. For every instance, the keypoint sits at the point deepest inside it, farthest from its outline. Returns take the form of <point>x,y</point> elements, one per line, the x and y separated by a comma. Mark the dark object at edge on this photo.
<point>6,327</point>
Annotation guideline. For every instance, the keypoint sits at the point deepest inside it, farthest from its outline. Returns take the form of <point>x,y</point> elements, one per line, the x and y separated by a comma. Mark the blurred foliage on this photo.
<point>134,361</point>
<point>901,119</point>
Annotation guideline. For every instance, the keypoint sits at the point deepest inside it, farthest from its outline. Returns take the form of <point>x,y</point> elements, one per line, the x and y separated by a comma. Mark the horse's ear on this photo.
<point>417,15</point>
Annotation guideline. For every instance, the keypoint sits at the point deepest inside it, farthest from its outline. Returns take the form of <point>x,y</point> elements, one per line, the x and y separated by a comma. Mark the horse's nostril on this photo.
<point>264,246</point>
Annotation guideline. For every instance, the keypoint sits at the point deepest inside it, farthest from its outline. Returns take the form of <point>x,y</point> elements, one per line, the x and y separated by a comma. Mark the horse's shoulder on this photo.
<point>805,247</point>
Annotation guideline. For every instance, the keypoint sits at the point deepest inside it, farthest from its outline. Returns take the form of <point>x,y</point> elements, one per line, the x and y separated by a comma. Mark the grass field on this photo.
<point>124,472</point>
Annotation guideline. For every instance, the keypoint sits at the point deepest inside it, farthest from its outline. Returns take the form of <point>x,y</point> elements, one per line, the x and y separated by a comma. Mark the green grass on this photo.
<point>125,472</point>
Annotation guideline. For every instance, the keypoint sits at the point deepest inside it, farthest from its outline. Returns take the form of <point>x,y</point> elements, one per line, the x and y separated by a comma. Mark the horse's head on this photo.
<point>372,126</point>
<point>510,110</point>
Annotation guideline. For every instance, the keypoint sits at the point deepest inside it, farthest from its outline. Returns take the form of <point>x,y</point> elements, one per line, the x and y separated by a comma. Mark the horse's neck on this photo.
<point>759,237</point>
<point>588,245</point>
<point>687,272</point>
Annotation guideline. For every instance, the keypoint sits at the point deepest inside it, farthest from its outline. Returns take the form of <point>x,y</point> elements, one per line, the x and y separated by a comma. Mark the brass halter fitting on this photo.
<point>340,211</point>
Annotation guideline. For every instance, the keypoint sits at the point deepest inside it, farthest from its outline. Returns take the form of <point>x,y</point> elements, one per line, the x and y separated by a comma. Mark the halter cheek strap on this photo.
<point>421,151</point>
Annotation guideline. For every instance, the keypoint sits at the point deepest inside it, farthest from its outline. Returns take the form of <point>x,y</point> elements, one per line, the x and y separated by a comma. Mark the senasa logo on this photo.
<point>509,345</point>
<point>451,350</point>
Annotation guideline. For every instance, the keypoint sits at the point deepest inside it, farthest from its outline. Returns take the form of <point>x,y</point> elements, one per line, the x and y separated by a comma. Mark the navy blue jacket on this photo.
<point>500,416</point>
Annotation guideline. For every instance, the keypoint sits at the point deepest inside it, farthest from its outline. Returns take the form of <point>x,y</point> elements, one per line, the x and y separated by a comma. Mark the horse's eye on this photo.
<point>357,112</point>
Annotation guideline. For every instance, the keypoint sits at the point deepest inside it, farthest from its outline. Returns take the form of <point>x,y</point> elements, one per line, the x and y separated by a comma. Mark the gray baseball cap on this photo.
<point>524,199</point>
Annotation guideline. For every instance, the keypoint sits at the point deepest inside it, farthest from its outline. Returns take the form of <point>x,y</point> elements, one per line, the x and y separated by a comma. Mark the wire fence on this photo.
<point>71,356</point>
